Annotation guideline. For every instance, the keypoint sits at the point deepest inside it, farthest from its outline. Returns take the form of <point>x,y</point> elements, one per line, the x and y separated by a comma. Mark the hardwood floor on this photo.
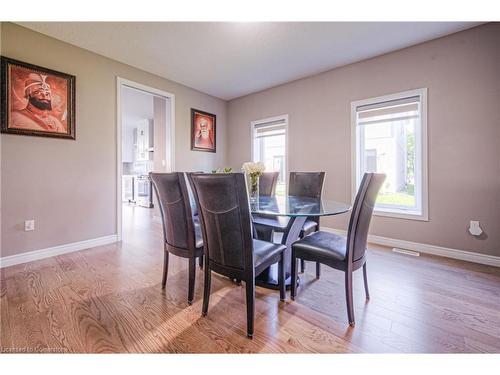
<point>109,299</point>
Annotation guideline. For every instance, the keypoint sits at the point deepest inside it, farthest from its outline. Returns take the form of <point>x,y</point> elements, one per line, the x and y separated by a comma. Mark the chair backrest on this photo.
<point>173,198</point>
<point>306,184</point>
<point>194,208</point>
<point>361,215</point>
<point>267,183</point>
<point>224,213</point>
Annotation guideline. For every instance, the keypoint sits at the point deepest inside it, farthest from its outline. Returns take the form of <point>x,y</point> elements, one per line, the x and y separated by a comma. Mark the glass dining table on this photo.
<point>293,212</point>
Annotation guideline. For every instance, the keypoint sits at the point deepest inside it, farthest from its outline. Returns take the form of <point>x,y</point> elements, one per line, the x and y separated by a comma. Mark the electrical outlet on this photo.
<point>29,225</point>
<point>474,228</point>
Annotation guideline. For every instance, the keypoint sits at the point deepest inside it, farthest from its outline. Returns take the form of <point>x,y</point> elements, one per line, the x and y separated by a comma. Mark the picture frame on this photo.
<point>203,131</point>
<point>36,101</point>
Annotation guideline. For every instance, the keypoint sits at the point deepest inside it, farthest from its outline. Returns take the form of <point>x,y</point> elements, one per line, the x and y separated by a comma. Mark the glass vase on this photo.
<point>253,189</point>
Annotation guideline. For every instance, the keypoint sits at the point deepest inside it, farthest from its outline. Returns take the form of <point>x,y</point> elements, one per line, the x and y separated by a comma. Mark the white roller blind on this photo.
<point>393,110</point>
<point>270,128</point>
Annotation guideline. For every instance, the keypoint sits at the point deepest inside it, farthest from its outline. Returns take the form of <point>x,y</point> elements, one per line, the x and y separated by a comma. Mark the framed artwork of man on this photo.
<point>203,127</point>
<point>37,101</point>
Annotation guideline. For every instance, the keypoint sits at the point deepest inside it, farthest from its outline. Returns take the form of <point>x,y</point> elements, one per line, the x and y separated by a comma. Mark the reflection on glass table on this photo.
<point>298,209</point>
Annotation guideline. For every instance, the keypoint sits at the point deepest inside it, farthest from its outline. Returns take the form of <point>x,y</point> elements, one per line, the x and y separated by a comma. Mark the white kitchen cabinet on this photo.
<point>128,145</point>
<point>144,140</point>
<point>128,188</point>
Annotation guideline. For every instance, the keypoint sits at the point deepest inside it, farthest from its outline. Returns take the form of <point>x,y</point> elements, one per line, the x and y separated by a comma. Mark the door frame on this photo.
<point>169,135</point>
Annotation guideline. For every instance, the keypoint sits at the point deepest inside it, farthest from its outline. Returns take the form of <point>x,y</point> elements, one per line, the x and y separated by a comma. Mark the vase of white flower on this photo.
<point>253,172</point>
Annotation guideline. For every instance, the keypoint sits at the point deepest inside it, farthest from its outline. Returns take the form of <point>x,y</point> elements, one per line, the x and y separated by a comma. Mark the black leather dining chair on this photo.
<point>181,232</point>
<point>302,184</point>
<point>308,184</point>
<point>267,188</point>
<point>230,249</point>
<point>267,183</point>
<point>194,211</point>
<point>343,253</point>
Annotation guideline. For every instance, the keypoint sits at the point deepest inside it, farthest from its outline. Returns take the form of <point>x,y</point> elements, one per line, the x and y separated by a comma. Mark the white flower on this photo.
<point>253,168</point>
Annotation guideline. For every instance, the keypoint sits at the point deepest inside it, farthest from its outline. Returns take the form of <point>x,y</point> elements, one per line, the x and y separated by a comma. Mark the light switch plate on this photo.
<point>29,225</point>
<point>474,228</point>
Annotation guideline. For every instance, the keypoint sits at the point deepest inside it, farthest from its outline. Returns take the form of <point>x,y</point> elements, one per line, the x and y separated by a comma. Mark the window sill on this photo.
<point>401,215</point>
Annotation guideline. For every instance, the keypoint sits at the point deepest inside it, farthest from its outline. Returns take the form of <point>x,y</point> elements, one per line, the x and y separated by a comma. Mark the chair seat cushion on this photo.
<point>263,251</point>
<point>278,223</point>
<point>198,240</point>
<point>323,247</point>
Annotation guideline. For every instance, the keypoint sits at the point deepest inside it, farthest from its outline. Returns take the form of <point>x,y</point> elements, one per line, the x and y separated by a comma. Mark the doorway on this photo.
<point>145,143</point>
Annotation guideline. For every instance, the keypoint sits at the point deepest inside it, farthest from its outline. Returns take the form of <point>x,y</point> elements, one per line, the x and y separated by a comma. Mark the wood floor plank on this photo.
<point>5,331</point>
<point>109,299</point>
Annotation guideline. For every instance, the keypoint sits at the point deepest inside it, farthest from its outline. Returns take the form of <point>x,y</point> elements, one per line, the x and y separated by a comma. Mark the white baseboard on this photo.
<point>468,256</point>
<point>385,241</point>
<point>56,250</point>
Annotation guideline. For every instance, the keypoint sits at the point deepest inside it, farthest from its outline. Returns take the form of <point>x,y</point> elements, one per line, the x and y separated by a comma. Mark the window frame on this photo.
<point>356,144</point>
<point>263,121</point>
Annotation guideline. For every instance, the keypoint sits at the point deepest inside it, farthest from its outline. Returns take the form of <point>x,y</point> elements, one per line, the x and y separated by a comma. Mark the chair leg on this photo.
<point>302,266</point>
<point>192,277</point>
<point>365,278</point>
<point>293,281</point>
<point>318,270</point>
<point>348,297</point>
<point>250,289</point>
<point>165,270</point>
<point>281,276</point>
<point>200,261</point>
<point>206,289</point>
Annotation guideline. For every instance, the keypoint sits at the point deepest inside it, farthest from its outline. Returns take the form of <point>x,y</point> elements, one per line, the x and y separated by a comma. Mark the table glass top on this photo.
<point>297,206</point>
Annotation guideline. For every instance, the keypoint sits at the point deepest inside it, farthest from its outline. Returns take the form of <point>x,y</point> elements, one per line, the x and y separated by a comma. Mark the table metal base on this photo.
<point>269,278</point>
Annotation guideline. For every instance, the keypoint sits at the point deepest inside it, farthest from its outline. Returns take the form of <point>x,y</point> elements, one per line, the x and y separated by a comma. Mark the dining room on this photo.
<point>330,188</point>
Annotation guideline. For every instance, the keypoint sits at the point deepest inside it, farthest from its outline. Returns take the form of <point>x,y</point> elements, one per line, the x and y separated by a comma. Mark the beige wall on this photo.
<point>462,74</point>
<point>69,187</point>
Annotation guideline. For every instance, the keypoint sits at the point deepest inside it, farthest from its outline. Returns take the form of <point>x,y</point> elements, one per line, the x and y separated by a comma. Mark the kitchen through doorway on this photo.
<point>145,128</point>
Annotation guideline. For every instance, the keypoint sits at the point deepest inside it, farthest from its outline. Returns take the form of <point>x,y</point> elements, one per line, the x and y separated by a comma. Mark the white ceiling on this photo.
<point>230,59</point>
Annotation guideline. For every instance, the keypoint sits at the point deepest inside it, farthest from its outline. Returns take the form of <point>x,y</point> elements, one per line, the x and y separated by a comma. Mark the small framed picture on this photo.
<point>37,101</point>
<point>203,127</point>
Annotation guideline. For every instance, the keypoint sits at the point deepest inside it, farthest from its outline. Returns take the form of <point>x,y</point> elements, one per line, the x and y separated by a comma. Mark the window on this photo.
<point>269,146</point>
<point>390,137</point>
